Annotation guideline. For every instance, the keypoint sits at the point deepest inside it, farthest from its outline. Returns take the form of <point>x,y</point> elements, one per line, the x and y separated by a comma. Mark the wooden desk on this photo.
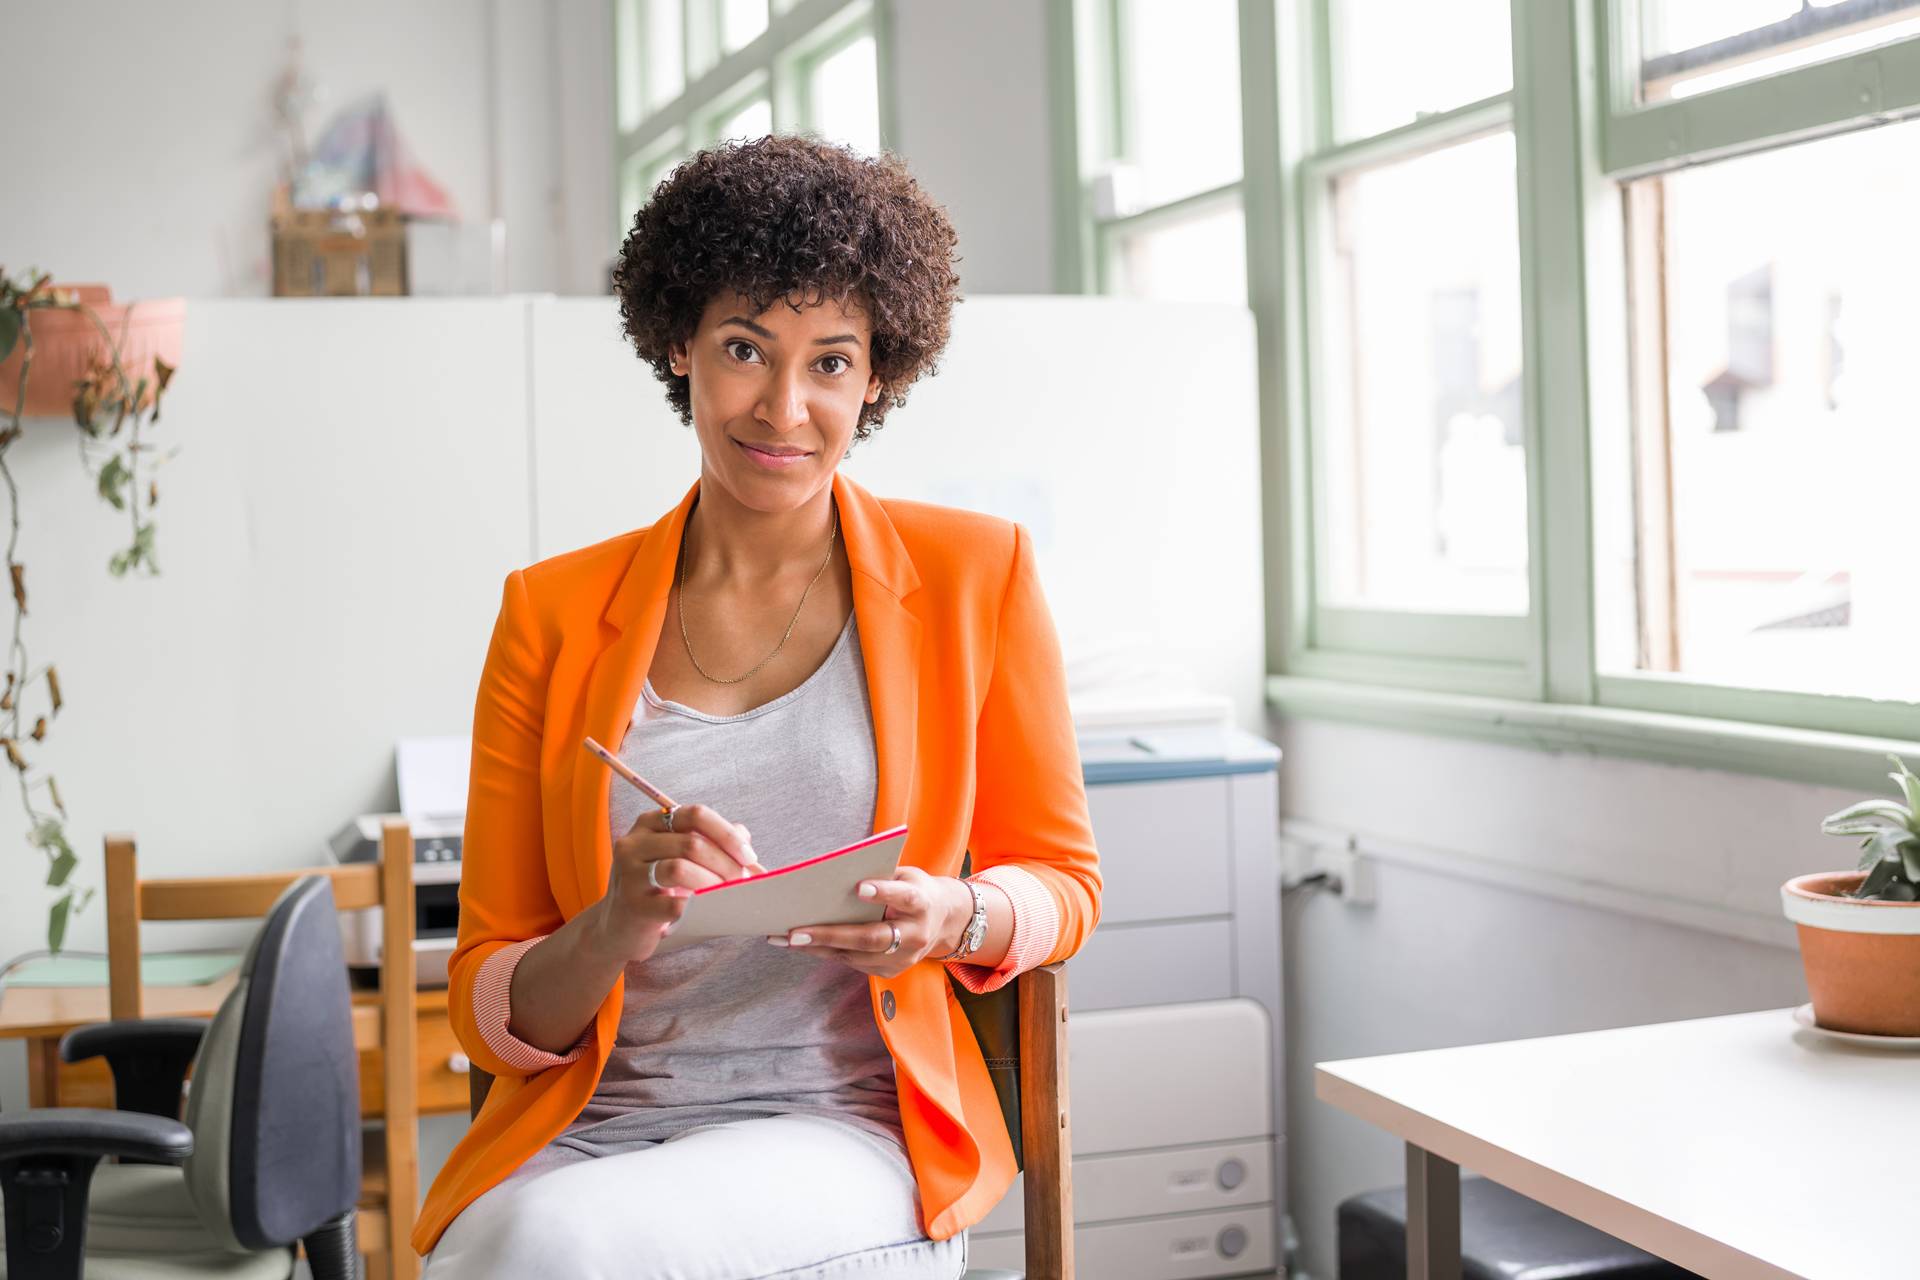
<point>41,1015</point>
<point>1738,1146</point>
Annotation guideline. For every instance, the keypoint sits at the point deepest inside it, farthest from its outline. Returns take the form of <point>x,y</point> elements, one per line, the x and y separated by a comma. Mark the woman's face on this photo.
<point>776,395</point>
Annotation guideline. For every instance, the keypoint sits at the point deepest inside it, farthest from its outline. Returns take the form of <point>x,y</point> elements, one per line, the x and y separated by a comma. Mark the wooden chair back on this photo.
<point>1046,1134</point>
<point>390,1188</point>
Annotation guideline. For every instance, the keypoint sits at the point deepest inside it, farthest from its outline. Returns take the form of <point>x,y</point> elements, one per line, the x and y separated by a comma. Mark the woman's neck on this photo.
<point>729,544</point>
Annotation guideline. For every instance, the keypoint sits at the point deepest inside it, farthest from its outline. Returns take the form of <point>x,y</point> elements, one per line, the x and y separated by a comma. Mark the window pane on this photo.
<point>753,120</point>
<point>664,54</point>
<point>629,101</point>
<point>640,175</point>
<point>1396,60</point>
<point>845,95</point>
<point>1180,96</point>
<point>1690,46</point>
<point>1777,443</point>
<point>1198,259</point>
<point>741,21</point>
<point>1423,468</point>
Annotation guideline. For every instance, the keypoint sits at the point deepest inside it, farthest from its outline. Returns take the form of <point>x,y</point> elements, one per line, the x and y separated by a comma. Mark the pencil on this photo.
<point>652,792</point>
<point>619,766</point>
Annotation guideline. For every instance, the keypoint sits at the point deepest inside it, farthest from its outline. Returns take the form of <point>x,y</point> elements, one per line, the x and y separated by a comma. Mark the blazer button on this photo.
<point>886,1005</point>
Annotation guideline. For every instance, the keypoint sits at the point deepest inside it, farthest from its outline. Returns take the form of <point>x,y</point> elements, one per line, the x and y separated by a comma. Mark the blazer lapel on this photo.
<point>883,575</point>
<point>631,624</point>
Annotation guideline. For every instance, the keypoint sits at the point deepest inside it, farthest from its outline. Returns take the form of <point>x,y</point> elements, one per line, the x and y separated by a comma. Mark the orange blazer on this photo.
<point>975,751</point>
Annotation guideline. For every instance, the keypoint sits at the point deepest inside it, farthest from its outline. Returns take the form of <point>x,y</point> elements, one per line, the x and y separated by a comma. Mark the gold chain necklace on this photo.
<point>680,610</point>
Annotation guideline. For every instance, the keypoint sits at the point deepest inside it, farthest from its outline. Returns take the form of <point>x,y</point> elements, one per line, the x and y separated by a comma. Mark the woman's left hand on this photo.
<point>920,906</point>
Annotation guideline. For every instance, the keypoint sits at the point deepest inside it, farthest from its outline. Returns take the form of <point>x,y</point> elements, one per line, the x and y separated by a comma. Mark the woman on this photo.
<point>798,664</point>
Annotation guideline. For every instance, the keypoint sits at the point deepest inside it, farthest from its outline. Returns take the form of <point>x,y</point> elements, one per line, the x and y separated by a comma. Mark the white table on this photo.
<point>1740,1146</point>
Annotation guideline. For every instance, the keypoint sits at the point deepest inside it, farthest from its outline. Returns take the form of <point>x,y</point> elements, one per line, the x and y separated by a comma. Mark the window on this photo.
<point>1770,543</point>
<point>1160,183</point>
<point>1690,46</point>
<point>1409,274</point>
<point>689,73</point>
<point>1595,327</point>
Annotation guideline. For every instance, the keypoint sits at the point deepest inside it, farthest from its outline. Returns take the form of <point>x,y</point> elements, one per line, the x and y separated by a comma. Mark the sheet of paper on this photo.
<point>433,777</point>
<point>817,891</point>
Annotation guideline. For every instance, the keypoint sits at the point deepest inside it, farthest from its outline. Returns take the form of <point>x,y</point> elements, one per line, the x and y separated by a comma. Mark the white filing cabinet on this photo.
<point>1175,1035</point>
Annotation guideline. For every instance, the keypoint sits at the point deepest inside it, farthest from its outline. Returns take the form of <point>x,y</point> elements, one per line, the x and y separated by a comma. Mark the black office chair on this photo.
<point>269,1155</point>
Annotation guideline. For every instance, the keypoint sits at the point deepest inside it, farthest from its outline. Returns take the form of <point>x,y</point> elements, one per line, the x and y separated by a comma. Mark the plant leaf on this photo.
<point>1877,880</point>
<point>1882,846</point>
<point>61,867</point>
<point>57,923</point>
<point>1860,827</point>
<point>9,330</point>
<point>1910,859</point>
<point>114,477</point>
<point>1889,810</point>
<point>1910,785</point>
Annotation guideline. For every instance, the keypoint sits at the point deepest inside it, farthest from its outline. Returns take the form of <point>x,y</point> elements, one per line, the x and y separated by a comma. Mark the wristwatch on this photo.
<point>976,931</point>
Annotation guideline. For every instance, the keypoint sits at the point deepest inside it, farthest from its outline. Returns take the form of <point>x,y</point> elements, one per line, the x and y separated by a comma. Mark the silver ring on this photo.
<point>653,868</point>
<point>668,813</point>
<point>896,940</point>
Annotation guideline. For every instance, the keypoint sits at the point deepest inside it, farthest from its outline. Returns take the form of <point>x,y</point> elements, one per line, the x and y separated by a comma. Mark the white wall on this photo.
<point>972,120</point>
<point>149,154</point>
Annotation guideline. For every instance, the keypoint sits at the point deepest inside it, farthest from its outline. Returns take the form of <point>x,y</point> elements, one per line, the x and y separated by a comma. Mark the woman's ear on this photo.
<point>873,388</point>
<point>677,358</point>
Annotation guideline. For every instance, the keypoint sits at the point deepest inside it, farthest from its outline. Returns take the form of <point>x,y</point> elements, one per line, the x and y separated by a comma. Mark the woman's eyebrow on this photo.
<point>768,334</point>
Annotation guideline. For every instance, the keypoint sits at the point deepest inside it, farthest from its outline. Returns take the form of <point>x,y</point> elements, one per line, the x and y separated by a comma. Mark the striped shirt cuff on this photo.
<point>493,1009</point>
<point>1036,930</point>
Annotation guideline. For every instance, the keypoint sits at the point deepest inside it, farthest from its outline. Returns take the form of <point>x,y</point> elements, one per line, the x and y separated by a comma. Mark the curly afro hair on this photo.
<point>792,219</point>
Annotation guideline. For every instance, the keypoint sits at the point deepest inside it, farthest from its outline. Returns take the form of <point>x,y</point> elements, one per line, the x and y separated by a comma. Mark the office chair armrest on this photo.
<point>149,1058</point>
<point>92,1133</point>
<point>47,1158</point>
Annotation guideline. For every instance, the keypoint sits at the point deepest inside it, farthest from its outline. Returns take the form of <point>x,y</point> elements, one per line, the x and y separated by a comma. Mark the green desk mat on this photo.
<point>162,969</point>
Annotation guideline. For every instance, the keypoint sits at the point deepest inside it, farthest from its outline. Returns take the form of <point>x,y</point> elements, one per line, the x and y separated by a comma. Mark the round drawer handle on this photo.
<point>459,1063</point>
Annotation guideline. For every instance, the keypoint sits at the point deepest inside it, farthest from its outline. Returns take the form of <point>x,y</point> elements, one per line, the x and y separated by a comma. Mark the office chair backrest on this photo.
<point>274,1103</point>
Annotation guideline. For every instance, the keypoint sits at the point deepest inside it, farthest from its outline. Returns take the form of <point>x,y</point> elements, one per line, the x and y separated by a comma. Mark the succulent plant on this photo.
<point>1890,850</point>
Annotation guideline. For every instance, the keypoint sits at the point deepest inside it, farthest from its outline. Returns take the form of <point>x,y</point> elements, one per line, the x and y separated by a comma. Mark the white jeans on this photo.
<point>786,1197</point>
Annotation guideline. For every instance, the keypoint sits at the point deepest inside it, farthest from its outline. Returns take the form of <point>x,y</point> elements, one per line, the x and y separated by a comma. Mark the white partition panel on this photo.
<point>1123,434</point>
<point>610,455</point>
<point>350,490</point>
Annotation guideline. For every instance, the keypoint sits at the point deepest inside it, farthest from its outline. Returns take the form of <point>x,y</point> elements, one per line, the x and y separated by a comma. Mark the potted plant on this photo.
<point>70,351</point>
<point>1860,930</point>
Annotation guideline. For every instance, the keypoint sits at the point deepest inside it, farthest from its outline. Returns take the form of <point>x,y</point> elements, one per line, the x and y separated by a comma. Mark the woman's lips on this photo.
<point>772,461</point>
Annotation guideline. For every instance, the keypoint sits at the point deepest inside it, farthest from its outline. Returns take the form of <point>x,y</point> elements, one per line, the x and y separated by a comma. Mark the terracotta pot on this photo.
<point>1862,957</point>
<point>64,342</point>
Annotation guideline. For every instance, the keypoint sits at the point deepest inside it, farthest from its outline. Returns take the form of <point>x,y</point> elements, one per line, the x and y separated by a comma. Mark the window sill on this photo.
<point>1849,761</point>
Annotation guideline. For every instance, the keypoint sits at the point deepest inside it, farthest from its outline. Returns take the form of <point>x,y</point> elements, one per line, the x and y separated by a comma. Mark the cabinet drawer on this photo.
<point>442,1088</point>
<point>1165,848</point>
<point>1234,1242</point>
<point>1152,964</point>
<point>1140,1184</point>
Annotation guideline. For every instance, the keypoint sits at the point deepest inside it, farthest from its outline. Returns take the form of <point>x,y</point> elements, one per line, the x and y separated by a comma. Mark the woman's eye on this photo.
<point>838,364</point>
<point>740,350</point>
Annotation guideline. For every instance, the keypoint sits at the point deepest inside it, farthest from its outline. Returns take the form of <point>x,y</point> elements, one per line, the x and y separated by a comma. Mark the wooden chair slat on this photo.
<point>251,896</point>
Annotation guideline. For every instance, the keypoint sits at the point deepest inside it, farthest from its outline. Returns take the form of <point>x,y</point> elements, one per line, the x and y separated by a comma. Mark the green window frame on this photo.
<point>1579,132</point>
<point>777,64</point>
<point>1093,126</point>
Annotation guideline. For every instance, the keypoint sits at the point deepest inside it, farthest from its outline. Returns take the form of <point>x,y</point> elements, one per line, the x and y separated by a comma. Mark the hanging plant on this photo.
<point>112,385</point>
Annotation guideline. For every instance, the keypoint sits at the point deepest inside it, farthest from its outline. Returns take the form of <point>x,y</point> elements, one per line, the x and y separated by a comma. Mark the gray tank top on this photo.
<point>734,1028</point>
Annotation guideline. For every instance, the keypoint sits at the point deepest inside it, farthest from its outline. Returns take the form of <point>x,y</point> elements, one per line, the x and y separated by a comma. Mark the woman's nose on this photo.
<point>783,406</point>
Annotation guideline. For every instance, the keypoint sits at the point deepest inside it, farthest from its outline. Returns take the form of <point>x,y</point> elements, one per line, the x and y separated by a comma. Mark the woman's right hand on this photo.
<point>702,849</point>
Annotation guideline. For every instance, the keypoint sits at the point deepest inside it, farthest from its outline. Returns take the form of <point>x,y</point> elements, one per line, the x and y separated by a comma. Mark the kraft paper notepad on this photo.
<point>817,891</point>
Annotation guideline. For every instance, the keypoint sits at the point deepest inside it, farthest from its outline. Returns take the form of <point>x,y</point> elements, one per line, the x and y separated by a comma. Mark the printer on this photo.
<point>433,800</point>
